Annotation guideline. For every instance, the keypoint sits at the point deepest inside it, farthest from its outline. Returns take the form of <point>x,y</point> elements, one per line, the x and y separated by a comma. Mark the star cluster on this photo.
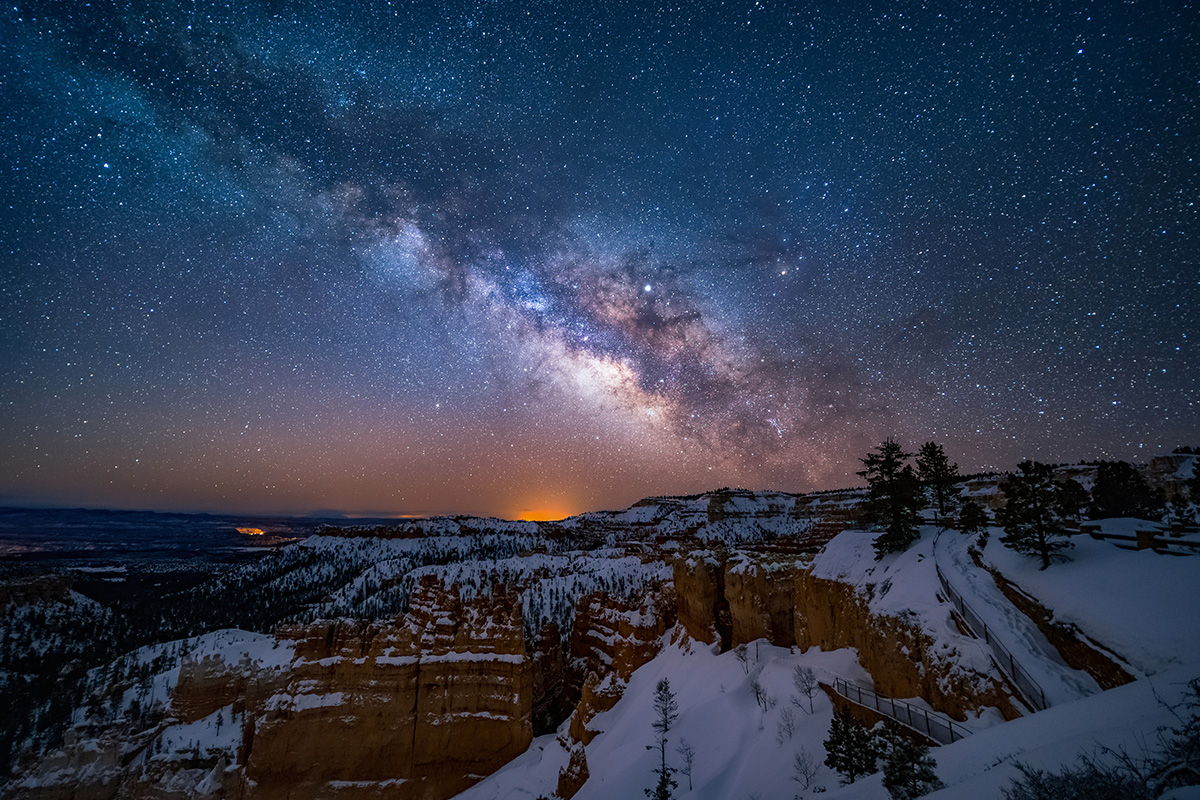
<point>530,258</point>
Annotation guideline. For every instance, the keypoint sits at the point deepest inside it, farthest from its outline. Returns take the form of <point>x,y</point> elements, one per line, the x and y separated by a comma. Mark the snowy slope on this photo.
<point>1019,635</point>
<point>740,752</point>
<point>1143,605</point>
<point>739,747</point>
<point>983,765</point>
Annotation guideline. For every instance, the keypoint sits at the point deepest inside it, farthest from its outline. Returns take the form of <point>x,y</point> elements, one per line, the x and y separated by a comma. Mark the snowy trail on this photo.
<point>1016,632</point>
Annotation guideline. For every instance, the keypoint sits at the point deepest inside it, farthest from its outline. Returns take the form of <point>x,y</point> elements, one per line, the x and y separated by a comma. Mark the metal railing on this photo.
<point>1003,656</point>
<point>940,728</point>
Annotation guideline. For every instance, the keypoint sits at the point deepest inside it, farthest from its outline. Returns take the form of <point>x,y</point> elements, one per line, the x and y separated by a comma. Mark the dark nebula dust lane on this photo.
<point>526,259</point>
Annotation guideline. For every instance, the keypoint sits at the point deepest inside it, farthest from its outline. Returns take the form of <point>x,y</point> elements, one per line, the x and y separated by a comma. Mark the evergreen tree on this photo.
<point>850,748</point>
<point>940,479</point>
<point>666,711</point>
<point>1031,518</point>
<point>1072,498</point>
<point>894,497</point>
<point>1179,510</point>
<point>972,518</point>
<point>1192,485</point>
<point>908,769</point>
<point>1121,491</point>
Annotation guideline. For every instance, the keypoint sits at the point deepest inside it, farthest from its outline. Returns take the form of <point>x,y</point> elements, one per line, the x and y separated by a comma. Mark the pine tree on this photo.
<point>1179,510</point>
<point>894,497</point>
<point>850,748</point>
<point>666,711</point>
<point>1072,498</point>
<point>1192,484</point>
<point>940,479</point>
<point>1031,517</point>
<point>972,518</point>
<point>908,769</point>
<point>1121,491</point>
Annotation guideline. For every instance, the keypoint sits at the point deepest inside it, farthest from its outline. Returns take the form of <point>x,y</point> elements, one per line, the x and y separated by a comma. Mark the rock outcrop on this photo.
<point>418,709</point>
<point>572,777</point>
<point>610,640</point>
<point>700,597</point>
<point>761,599</point>
<point>901,658</point>
<point>778,599</point>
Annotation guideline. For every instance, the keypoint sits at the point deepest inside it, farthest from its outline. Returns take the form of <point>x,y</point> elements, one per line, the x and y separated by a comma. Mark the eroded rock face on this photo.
<point>416,709</point>
<point>700,597</point>
<point>554,692</point>
<point>615,636</point>
<point>610,640</point>
<point>572,778</point>
<point>206,685</point>
<point>761,601</point>
<point>777,599</point>
<point>900,656</point>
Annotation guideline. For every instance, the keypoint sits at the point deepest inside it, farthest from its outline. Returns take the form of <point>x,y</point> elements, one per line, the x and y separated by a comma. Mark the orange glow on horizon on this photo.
<point>546,512</point>
<point>251,531</point>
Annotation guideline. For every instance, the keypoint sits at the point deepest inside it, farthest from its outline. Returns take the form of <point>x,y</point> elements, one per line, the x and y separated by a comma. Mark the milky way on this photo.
<point>532,258</point>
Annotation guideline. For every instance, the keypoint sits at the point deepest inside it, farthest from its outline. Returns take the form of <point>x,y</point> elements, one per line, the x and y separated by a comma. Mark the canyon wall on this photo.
<point>701,607</point>
<point>776,598</point>
<point>903,660</point>
<point>610,640</point>
<point>410,710</point>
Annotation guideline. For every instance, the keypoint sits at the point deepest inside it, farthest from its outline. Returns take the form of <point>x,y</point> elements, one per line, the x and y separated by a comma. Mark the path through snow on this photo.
<point>1017,632</point>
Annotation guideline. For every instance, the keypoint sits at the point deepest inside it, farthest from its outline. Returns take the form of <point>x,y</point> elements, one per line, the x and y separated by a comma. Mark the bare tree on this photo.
<point>688,754</point>
<point>764,700</point>
<point>804,769</point>
<point>787,724</point>
<point>805,680</point>
<point>743,656</point>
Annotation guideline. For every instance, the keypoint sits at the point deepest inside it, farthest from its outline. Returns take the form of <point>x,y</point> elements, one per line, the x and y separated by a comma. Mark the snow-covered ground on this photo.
<point>1019,635</point>
<point>981,766</point>
<point>903,585</point>
<point>740,748</point>
<point>1143,605</point>
<point>741,752</point>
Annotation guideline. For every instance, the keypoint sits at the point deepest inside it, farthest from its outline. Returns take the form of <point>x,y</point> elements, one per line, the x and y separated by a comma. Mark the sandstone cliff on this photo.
<point>610,640</point>
<point>778,599</point>
<point>410,710</point>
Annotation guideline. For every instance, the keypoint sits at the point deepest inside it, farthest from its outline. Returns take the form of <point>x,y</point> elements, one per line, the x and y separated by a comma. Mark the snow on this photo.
<point>741,751</point>
<point>218,733</point>
<point>1017,632</point>
<point>738,747</point>
<point>508,658</point>
<point>305,701</point>
<point>1129,717</point>
<point>1142,605</point>
<point>903,585</point>
<point>233,646</point>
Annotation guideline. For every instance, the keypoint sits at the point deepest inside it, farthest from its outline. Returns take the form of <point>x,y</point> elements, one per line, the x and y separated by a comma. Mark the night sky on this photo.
<point>533,258</point>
